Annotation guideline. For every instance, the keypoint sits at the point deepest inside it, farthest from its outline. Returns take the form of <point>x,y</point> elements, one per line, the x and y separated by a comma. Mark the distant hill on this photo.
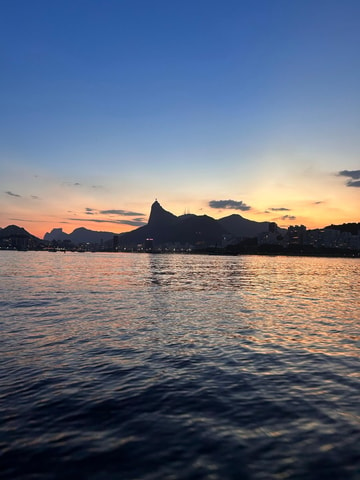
<point>15,231</point>
<point>198,230</point>
<point>79,235</point>
<point>13,236</point>
<point>242,227</point>
<point>56,234</point>
<point>353,228</point>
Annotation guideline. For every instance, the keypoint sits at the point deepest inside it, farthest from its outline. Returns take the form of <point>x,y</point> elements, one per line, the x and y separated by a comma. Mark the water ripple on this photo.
<point>178,367</point>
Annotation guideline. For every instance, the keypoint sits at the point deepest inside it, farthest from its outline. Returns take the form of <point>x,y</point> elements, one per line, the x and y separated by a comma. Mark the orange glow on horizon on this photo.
<point>299,212</point>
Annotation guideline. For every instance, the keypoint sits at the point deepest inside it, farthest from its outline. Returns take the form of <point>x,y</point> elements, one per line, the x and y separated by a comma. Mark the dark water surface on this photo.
<point>137,366</point>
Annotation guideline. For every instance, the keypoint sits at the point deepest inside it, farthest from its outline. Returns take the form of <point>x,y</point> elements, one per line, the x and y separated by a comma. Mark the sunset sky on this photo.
<point>212,107</point>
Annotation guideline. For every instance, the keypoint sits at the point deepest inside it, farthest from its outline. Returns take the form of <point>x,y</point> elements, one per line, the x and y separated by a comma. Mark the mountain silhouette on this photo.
<point>199,230</point>
<point>13,236</point>
<point>56,234</point>
<point>160,226</point>
<point>159,217</point>
<point>14,230</point>
<point>79,235</point>
<point>242,227</point>
<point>165,228</point>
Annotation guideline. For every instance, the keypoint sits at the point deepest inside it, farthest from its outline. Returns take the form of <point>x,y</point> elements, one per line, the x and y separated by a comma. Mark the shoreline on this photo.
<point>210,252</point>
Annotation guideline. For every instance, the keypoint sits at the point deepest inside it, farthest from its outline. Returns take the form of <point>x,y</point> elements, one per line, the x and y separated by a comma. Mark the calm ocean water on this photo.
<point>140,366</point>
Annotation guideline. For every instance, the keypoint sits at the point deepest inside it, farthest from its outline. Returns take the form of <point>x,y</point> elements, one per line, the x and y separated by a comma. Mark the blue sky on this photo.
<point>106,105</point>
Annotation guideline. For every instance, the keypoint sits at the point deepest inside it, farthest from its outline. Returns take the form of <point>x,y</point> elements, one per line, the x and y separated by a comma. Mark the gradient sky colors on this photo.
<point>212,107</point>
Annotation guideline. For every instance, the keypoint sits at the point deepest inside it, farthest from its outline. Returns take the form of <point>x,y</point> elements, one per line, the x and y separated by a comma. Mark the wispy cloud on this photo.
<point>279,209</point>
<point>117,212</point>
<point>354,176</point>
<point>12,194</point>
<point>124,213</point>
<point>288,217</point>
<point>71,184</point>
<point>137,222</point>
<point>34,197</point>
<point>134,223</point>
<point>33,220</point>
<point>229,204</point>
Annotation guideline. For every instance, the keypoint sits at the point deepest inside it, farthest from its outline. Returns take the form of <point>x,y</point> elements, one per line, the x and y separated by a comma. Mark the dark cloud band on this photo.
<point>124,213</point>
<point>12,194</point>
<point>351,183</point>
<point>354,176</point>
<point>229,204</point>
